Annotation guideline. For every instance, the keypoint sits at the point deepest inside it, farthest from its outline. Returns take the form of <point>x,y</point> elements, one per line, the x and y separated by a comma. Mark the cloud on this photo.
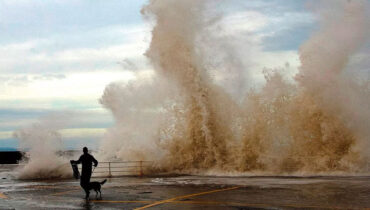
<point>42,55</point>
<point>240,42</point>
<point>286,23</point>
<point>242,23</point>
<point>44,18</point>
<point>49,77</point>
<point>76,86</point>
<point>25,79</point>
<point>17,80</point>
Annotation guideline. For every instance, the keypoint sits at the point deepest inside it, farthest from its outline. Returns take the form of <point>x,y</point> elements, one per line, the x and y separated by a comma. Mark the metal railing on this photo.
<point>121,168</point>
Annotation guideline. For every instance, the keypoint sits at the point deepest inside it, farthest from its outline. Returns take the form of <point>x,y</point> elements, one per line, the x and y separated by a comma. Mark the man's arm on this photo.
<point>94,161</point>
<point>78,161</point>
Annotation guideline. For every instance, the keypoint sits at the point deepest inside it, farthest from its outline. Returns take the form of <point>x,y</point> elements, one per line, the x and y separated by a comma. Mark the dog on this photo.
<point>96,186</point>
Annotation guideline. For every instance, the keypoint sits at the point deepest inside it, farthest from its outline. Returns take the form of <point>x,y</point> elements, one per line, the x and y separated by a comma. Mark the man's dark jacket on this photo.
<point>86,160</point>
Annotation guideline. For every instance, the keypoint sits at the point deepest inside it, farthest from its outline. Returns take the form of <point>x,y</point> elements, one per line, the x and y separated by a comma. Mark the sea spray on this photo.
<point>173,53</point>
<point>41,141</point>
<point>195,126</point>
<point>137,108</point>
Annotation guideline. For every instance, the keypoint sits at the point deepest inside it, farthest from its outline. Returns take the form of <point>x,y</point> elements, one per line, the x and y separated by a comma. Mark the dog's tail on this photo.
<point>103,182</point>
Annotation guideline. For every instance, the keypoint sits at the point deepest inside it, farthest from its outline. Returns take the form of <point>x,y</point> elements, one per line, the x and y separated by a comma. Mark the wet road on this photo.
<point>192,192</point>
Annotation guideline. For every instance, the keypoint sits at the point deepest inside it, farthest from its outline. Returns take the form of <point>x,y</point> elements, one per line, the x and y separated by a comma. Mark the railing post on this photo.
<point>109,173</point>
<point>141,168</point>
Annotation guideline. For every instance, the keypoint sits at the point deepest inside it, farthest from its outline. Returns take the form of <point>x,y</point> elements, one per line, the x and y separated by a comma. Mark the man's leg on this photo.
<point>88,176</point>
<point>85,185</point>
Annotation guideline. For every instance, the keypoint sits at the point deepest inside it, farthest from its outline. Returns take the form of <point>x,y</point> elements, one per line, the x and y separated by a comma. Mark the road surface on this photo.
<point>192,192</point>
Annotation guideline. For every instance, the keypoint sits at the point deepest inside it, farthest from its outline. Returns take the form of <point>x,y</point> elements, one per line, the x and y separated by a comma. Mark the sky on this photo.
<point>57,56</point>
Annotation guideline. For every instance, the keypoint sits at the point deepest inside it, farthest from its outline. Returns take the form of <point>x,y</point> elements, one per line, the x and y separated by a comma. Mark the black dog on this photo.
<point>96,186</point>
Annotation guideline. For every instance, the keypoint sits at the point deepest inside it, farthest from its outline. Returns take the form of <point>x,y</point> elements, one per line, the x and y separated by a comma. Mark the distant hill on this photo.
<point>10,157</point>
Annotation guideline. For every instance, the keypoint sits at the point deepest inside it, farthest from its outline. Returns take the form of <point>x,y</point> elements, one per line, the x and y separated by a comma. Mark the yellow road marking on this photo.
<point>185,196</point>
<point>3,196</point>
<point>219,203</point>
<point>254,204</point>
<point>63,193</point>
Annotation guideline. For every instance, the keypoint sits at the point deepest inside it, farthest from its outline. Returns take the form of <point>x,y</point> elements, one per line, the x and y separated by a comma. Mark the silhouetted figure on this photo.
<point>86,159</point>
